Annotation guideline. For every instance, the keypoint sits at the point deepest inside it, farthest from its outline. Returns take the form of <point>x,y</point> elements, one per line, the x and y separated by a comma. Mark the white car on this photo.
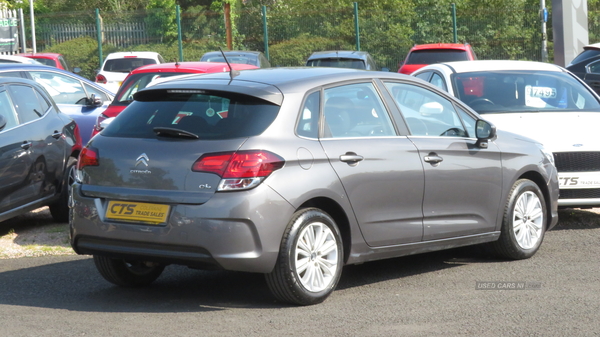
<point>117,66</point>
<point>18,59</point>
<point>542,101</point>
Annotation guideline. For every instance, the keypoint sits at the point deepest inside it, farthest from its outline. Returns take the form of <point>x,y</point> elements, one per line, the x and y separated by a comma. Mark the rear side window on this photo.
<point>432,56</point>
<point>47,62</point>
<point>126,65</point>
<point>27,102</point>
<point>137,82</point>
<point>204,115</point>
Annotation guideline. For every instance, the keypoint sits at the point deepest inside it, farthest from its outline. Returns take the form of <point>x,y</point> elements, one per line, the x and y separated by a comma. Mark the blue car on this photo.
<point>74,95</point>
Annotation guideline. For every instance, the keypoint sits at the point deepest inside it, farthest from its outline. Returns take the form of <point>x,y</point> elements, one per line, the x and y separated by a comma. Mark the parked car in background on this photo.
<point>39,146</point>
<point>539,100</point>
<point>423,54</point>
<point>296,172</point>
<point>140,77</point>
<point>75,96</point>
<point>254,58</point>
<point>587,66</point>
<point>17,59</point>
<point>49,59</point>
<point>342,59</point>
<point>117,66</point>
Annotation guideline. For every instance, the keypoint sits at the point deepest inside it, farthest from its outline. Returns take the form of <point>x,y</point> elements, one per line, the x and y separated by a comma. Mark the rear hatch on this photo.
<point>147,153</point>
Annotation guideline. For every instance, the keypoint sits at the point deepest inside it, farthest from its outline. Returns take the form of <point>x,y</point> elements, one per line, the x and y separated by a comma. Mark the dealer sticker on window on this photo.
<point>578,180</point>
<point>540,92</point>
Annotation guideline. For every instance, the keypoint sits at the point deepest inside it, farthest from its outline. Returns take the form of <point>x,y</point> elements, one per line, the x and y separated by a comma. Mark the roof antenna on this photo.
<point>232,73</point>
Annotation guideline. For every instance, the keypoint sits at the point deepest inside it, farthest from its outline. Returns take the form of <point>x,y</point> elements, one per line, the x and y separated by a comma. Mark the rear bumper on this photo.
<point>239,231</point>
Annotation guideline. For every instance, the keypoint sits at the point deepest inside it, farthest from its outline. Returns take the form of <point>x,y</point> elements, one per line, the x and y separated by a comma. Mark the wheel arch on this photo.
<point>339,216</point>
<point>541,183</point>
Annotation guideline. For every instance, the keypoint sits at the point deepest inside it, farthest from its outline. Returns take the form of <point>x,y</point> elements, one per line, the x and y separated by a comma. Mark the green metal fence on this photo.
<point>507,33</point>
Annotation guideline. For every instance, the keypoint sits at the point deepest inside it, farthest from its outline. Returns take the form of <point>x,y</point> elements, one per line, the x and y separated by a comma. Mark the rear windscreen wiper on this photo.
<point>172,132</point>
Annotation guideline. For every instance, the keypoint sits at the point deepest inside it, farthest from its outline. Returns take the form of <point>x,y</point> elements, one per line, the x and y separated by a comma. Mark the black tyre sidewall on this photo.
<point>60,208</point>
<point>117,272</point>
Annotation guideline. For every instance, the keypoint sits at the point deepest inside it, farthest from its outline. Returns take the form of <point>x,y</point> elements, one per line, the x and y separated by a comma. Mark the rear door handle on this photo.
<point>26,145</point>
<point>56,134</point>
<point>432,158</point>
<point>351,158</point>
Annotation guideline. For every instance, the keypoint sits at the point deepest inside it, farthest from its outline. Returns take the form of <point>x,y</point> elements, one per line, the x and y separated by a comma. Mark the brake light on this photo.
<point>101,79</point>
<point>97,127</point>
<point>88,157</point>
<point>239,170</point>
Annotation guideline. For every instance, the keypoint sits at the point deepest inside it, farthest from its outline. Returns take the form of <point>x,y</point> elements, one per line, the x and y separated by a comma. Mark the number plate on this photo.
<point>137,212</point>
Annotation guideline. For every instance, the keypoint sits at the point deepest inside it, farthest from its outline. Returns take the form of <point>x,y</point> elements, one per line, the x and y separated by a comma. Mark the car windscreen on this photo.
<point>137,82</point>
<point>47,62</point>
<point>233,59</point>
<point>205,115</point>
<point>337,63</point>
<point>431,56</point>
<point>586,54</point>
<point>126,65</point>
<point>523,91</point>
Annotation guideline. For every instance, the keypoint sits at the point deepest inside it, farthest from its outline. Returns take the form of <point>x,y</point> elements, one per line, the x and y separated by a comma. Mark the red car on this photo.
<point>49,59</point>
<point>140,77</point>
<point>423,54</point>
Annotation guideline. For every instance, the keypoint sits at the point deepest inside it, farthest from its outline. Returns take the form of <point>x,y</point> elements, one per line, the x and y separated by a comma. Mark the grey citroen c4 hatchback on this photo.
<point>296,172</point>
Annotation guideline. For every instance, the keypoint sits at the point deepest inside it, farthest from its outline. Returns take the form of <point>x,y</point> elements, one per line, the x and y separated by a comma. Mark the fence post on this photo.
<point>31,16</point>
<point>179,42</point>
<point>99,37</point>
<point>357,33</point>
<point>23,42</point>
<point>265,31</point>
<point>455,33</point>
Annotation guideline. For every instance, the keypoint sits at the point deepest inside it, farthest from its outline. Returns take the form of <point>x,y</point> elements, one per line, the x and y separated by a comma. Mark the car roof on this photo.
<point>270,83</point>
<point>124,54</point>
<point>494,65</point>
<point>349,54</point>
<point>458,46</point>
<point>17,58</point>
<point>199,67</point>
<point>42,55</point>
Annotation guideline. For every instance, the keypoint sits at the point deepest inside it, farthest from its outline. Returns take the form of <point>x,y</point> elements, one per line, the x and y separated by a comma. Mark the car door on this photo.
<point>463,182</point>
<point>381,172</point>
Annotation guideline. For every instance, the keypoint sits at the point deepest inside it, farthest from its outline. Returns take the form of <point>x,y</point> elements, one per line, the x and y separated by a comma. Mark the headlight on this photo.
<point>547,153</point>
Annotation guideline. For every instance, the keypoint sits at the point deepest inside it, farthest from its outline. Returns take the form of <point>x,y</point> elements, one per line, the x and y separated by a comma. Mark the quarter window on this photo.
<point>308,125</point>
<point>355,110</point>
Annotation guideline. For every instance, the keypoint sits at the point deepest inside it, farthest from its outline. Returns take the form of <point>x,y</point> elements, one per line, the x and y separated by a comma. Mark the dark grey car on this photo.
<point>342,59</point>
<point>295,173</point>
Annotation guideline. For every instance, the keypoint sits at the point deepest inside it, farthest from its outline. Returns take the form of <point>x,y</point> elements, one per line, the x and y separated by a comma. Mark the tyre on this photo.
<point>60,208</point>
<point>310,259</point>
<point>524,222</point>
<point>127,274</point>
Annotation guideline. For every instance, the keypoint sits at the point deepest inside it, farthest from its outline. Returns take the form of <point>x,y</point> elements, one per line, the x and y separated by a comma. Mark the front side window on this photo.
<point>355,110</point>
<point>426,112</point>
<point>63,89</point>
<point>166,113</point>
<point>523,91</point>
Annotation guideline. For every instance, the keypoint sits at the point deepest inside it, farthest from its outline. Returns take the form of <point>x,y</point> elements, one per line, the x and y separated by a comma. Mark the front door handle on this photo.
<point>26,145</point>
<point>433,158</point>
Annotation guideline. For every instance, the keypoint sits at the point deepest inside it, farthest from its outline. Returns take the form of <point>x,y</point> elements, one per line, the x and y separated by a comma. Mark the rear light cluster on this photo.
<point>101,79</point>
<point>240,170</point>
<point>88,157</point>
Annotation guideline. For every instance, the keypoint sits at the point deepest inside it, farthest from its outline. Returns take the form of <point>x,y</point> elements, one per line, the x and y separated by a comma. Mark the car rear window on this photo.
<point>47,62</point>
<point>232,59</point>
<point>126,65</point>
<point>337,63</point>
<point>432,56</point>
<point>212,116</point>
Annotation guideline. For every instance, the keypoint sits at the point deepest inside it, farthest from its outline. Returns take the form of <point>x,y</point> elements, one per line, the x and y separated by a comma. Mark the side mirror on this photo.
<point>94,101</point>
<point>76,70</point>
<point>484,131</point>
<point>2,122</point>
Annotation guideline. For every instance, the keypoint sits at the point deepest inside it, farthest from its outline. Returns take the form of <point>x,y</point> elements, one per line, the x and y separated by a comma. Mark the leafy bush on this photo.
<point>294,52</point>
